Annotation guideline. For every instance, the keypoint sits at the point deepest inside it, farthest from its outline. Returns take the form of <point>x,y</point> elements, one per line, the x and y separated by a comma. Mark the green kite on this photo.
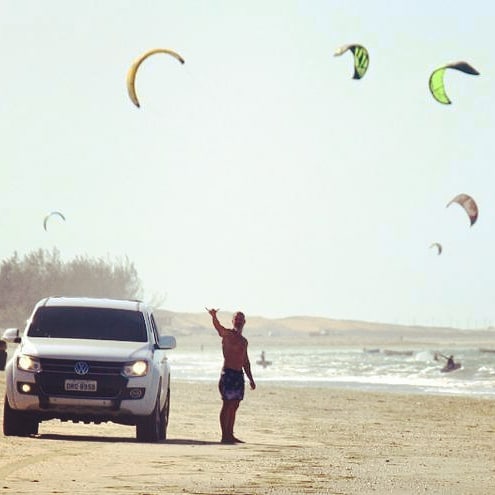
<point>361,58</point>
<point>436,82</point>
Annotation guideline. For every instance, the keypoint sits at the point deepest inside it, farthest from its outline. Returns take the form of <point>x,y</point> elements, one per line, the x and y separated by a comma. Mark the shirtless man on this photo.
<point>231,384</point>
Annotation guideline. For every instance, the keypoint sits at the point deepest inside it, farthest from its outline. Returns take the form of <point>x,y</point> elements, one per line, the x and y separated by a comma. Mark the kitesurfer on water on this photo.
<point>450,363</point>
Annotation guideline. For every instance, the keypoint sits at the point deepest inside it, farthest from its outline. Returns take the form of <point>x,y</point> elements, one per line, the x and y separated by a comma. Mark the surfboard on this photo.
<point>445,369</point>
<point>264,363</point>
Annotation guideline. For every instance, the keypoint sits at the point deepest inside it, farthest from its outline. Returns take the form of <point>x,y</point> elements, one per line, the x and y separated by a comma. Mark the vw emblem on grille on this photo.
<point>81,368</point>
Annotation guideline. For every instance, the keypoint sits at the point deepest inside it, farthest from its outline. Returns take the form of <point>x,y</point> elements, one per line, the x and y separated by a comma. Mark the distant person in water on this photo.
<point>235,364</point>
<point>263,360</point>
<point>450,362</point>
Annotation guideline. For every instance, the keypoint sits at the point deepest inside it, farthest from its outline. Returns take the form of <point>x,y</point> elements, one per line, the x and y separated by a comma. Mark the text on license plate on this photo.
<point>81,385</point>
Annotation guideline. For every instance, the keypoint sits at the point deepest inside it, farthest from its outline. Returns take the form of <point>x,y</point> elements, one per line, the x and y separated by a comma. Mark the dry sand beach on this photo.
<point>298,441</point>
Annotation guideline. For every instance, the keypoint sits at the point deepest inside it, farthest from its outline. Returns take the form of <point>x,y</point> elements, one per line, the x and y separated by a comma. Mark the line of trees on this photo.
<point>24,281</point>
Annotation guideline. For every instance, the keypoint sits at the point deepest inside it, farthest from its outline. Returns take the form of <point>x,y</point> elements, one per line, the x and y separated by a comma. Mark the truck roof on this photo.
<point>93,302</point>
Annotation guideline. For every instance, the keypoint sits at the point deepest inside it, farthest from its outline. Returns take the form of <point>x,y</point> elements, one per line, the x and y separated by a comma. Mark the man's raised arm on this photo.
<point>218,326</point>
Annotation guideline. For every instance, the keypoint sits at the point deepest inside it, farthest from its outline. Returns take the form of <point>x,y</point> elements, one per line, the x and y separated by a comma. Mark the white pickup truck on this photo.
<point>91,360</point>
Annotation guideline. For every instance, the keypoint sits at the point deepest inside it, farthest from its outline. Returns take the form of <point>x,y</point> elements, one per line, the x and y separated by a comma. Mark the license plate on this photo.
<point>81,385</point>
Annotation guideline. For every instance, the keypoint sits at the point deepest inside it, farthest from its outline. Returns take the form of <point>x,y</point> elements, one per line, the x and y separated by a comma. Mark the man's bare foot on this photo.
<point>236,440</point>
<point>228,440</point>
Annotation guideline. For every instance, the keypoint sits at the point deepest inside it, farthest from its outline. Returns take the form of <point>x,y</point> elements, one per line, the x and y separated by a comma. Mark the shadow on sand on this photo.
<point>86,438</point>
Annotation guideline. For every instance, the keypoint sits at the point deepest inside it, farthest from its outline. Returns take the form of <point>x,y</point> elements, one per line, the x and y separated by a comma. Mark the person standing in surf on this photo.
<point>235,364</point>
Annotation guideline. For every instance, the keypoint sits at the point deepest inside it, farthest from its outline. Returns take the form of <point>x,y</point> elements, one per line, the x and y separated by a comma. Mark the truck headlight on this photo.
<point>28,363</point>
<point>135,368</point>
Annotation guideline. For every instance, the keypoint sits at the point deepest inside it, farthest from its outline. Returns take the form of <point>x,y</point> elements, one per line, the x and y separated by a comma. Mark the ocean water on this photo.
<point>373,369</point>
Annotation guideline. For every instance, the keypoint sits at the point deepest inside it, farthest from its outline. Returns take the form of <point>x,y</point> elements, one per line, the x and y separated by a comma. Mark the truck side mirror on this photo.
<point>167,342</point>
<point>12,336</point>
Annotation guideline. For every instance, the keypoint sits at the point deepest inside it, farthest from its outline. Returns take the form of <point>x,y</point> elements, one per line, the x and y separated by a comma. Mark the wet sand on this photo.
<point>298,441</point>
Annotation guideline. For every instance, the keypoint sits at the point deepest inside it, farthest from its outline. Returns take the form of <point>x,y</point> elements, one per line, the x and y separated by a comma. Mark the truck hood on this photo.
<point>84,349</point>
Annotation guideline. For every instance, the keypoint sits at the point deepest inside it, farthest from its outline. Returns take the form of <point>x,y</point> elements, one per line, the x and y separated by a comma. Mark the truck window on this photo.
<point>156,332</point>
<point>88,323</point>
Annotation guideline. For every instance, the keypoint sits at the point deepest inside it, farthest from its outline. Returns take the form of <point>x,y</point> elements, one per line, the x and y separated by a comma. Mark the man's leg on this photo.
<point>223,421</point>
<point>227,419</point>
<point>231,426</point>
<point>231,417</point>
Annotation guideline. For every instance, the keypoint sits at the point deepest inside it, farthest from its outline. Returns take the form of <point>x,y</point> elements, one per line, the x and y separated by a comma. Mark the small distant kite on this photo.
<point>361,58</point>
<point>468,203</point>
<point>436,82</point>
<point>53,213</point>
<point>131,73</point>
<point>438,246</point>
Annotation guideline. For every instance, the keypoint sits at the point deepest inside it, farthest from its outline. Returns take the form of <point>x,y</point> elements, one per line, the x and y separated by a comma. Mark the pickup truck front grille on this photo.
<point>54,373</point>
<point>67,366</point>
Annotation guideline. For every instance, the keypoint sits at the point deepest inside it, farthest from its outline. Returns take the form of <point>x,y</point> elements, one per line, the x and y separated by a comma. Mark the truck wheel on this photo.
<point>16,423</point>
<point>164,417</point>
<point>148,427</point>
<point>32,426</point>
<point>3,358</point>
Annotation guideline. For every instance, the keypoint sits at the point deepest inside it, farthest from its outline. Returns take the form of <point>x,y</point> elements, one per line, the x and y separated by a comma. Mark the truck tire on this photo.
<point>3,359</point>
<point>148,427</point>
<point>164,417</point>
<point>18,424</point>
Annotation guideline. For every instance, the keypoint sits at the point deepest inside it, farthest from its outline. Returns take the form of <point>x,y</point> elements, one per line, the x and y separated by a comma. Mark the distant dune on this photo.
<point>330,330</point>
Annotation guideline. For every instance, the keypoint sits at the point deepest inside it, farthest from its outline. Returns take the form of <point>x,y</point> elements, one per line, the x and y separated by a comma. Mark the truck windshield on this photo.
<point>88,323</point>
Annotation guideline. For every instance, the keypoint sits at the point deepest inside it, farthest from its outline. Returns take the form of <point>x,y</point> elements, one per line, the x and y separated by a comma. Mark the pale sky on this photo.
<point>259,175</point>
